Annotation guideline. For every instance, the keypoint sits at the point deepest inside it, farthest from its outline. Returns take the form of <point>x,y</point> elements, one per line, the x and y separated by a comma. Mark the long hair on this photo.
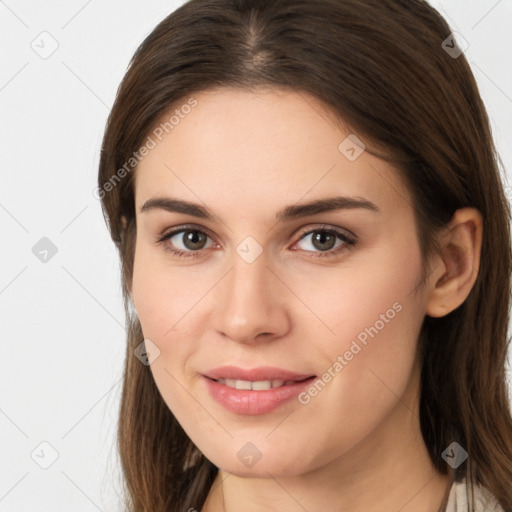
<point>385,68</point>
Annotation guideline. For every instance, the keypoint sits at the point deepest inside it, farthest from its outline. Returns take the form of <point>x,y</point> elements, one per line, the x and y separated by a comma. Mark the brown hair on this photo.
<point>379,65</point>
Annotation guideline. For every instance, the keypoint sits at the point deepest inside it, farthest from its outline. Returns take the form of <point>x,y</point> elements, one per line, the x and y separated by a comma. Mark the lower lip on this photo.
<point>246,401</point>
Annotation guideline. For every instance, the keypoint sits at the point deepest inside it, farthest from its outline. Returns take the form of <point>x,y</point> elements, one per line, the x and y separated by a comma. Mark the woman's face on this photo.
<point>265,281</point>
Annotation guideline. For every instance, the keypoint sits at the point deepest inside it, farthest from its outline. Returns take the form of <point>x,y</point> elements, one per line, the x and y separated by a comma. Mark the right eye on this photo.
<point>188,243</point>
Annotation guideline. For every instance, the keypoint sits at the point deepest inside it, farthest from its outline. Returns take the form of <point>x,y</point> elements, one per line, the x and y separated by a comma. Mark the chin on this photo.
<point>250,463</point>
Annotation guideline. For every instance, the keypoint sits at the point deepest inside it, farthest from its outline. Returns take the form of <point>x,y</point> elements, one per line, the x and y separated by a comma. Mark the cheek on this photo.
<point>372,298</point>
<point>164,299</point>
<point>376,317</point>
<point>162,294</point>
<point>167,299</point>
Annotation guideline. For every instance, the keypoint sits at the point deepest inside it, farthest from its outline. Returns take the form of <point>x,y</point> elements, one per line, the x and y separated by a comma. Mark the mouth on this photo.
<point>258,385</point>
<point>257,391</point>
<point>259,374</point>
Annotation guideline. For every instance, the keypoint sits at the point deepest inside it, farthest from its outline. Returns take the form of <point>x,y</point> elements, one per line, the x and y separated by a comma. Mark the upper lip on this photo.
<point>255,374</point>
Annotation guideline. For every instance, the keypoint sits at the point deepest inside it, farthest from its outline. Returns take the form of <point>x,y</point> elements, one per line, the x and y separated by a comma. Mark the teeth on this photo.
<point>242,384</point>
<point>259,385</point>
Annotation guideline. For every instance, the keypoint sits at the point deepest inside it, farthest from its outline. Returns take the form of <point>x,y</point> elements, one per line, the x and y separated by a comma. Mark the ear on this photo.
<point>458,264</point>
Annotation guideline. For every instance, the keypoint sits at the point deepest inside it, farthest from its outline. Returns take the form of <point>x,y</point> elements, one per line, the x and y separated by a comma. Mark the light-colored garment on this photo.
<point>458,499</point>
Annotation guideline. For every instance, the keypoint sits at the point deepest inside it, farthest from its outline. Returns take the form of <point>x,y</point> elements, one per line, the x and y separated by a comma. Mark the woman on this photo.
<point>316,263</point>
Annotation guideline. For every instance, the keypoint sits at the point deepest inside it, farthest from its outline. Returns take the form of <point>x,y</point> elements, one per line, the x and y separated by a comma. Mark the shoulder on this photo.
<point>459,496</point>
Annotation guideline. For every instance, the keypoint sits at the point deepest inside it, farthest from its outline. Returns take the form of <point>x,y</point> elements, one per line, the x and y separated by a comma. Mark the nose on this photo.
<point>250,303</point>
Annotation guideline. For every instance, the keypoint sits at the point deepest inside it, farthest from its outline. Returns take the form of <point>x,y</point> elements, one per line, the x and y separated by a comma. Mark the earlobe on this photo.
<point>460,255</point>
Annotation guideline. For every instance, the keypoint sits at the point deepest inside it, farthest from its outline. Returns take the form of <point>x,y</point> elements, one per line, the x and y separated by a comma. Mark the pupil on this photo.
<point>323,237</point>
<point>193,240</point>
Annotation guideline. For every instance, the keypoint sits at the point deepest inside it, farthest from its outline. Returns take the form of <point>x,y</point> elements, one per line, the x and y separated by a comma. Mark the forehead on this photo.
<point>261,148</point>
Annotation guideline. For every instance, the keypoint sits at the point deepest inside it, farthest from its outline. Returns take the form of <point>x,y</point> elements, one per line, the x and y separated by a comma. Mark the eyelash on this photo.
<point>349,242</point>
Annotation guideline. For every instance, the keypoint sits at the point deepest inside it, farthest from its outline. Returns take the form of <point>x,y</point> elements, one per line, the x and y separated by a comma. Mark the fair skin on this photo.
<point>356,445</point>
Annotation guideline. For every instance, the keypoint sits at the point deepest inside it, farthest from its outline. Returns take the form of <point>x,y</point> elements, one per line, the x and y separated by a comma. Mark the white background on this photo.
<point>62,321</point>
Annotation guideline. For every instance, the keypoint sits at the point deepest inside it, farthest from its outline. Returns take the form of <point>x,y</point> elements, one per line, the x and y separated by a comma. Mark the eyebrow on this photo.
<point>286,214</point>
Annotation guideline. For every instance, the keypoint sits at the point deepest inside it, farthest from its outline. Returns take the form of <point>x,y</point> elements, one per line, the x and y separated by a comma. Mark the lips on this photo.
<point>256,374</point>
<point>254,391</point>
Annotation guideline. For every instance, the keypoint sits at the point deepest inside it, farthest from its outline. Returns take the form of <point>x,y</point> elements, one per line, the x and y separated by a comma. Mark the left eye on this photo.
<point>324,240</point>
